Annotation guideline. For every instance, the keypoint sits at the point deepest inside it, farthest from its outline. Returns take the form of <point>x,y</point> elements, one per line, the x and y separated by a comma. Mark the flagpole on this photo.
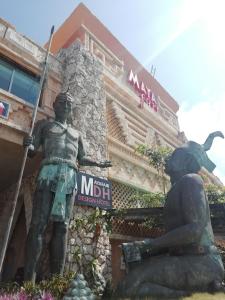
<point>6,237</point>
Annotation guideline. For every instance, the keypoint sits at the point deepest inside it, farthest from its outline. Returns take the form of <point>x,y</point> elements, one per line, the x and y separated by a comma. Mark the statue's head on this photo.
<point>190,157</point>
<point>63,105</point>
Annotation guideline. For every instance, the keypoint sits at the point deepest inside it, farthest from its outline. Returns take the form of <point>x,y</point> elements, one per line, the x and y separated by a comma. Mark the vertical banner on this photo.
<point>93,191</point>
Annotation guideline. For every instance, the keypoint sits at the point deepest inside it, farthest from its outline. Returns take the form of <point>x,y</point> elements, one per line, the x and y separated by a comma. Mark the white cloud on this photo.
<point>198,121</point>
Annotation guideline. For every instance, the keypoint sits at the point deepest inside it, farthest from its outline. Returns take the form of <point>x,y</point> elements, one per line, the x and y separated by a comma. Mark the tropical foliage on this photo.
<point>148,199</point>
<point>215,194</point>
<point>156,157</point>
<point>52,289</point>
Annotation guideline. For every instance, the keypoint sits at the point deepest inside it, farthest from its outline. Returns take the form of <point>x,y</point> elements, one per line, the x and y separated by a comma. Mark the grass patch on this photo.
<point>206,296</point>
<point>196,296</point>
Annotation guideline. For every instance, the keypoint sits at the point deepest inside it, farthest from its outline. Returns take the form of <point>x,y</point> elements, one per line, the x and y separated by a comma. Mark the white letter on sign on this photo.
<point>86,188</point>
<point>133,79</point>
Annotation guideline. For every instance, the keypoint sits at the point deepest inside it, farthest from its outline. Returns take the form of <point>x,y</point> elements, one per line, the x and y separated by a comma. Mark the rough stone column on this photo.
<point>82,76</point>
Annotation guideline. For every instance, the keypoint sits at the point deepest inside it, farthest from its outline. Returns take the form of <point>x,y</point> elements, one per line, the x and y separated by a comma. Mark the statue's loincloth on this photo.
<point>62,180</point>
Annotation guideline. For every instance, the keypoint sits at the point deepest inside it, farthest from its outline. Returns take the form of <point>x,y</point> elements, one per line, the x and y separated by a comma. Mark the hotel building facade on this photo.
<point>118,105</point>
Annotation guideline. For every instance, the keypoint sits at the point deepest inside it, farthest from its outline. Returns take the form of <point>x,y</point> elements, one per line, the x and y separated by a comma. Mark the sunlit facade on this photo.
<point>138,110</point>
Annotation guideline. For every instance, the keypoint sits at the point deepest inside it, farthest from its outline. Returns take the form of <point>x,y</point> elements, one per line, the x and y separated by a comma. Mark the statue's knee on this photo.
<point>37,226</point>
<point>61,227</point>
<point>215,286</point>
<point>35,232</point>
<point>34,241</point>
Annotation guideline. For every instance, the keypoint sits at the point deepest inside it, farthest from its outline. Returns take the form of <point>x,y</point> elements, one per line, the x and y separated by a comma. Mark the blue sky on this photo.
<point>183,39</point>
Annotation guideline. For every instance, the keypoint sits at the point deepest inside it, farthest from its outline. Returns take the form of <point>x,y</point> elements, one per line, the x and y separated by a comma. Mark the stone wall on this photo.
<point>82,76</point>
<point>89,251</point>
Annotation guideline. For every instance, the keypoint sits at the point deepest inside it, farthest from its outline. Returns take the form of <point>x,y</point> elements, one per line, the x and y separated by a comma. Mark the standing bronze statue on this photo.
<point>63,151</point>
<point>189,260</point>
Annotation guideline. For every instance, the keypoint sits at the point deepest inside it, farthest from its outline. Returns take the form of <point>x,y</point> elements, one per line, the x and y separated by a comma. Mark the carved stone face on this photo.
<point>63,108</point>
<point>173,162</point>
<point>181,162</point>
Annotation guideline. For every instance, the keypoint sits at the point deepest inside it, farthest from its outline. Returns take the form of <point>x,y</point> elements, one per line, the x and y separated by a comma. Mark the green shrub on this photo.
<point>51,289</point>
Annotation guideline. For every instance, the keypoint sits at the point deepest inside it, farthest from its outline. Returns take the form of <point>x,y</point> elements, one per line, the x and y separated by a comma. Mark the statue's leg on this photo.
<point>40,215</point>
<point>58,247</point>
<point>59,240</point>
<point>160,291</point>
<point>181,273</point>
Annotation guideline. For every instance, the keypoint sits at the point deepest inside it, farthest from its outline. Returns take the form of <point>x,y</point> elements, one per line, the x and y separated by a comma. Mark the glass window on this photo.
<point>18,82</point>
<point>24,86</point>
<point>5,75</point>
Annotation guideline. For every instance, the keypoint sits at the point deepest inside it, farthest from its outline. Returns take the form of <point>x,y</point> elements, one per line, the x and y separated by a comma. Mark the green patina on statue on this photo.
<point>185,258</point>
<point>63,151</point>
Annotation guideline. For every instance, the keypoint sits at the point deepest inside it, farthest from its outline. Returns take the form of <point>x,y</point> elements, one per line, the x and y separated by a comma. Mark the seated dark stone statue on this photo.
<point>188,260</point>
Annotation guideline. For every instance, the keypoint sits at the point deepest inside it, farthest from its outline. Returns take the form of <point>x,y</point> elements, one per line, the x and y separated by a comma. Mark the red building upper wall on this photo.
<point>69,31</point>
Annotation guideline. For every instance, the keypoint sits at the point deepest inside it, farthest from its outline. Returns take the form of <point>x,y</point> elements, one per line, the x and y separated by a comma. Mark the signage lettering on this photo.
<point>93,191</point>
<point>86,188</point>
<point>145,93</point>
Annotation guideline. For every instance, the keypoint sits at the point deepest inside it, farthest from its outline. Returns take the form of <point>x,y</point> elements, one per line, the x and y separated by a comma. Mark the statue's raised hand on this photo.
<point>28,142</point>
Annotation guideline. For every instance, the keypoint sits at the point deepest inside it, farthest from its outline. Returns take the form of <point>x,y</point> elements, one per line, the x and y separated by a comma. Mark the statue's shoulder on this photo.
<point>47,124</point>
<point>192,179</point>
<point>40,125</point>
<point>74,131</point>
<point>44,126</point>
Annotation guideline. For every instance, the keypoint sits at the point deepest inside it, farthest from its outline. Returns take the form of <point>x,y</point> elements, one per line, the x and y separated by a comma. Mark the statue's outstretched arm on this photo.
<point>86,161</point>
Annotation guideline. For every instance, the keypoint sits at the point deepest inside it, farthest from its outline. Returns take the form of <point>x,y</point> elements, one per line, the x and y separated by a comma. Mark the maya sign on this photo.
<point>145,93</point>
<point>93,191</point>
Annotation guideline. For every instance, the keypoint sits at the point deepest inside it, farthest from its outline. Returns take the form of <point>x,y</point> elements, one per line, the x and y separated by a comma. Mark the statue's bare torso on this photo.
<point>59,141</point>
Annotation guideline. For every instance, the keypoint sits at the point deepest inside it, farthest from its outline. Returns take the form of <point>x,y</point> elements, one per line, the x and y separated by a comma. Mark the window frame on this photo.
<point>16,67</point>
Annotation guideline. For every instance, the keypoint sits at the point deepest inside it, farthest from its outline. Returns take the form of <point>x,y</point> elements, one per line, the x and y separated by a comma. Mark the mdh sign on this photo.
<point>93,191</point>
